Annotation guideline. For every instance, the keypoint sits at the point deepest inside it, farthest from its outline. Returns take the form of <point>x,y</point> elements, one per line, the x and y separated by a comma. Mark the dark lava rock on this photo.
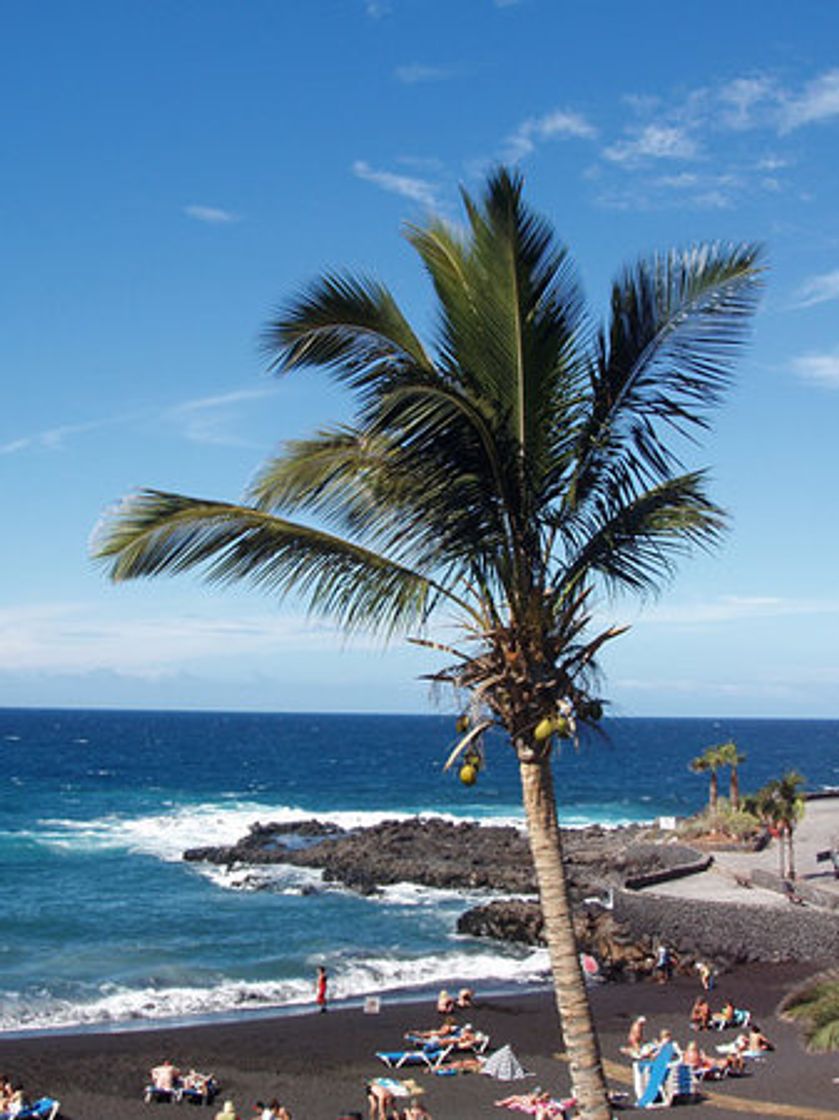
<point>432,852</point>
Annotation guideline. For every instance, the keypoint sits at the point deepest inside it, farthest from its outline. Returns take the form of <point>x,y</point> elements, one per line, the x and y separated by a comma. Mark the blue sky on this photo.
<point>174,171</point>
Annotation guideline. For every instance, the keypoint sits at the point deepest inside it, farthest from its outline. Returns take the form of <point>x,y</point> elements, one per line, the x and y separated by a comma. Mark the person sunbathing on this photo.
<point>725,1017</point>
<point>704,1064</point>
<point>445,1003</point>
<point>464,998</point>
<point>165,1075</point>
<point>466,1038</point>
<point>447,1029</point>
<point>18,1101</point>
<point>758,1042</point>
<point>700,1015</point>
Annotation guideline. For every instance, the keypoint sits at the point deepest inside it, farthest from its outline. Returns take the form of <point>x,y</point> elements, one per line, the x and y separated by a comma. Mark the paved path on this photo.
<point>723,881</point>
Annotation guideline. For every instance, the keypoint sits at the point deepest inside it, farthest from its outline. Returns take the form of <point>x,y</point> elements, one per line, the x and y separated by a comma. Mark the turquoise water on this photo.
<point>105,924</point>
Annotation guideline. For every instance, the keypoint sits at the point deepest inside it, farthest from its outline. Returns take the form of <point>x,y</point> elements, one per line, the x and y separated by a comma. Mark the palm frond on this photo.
<point>158,533</point>
<point>634,543</point>
<point>677,324</point>
<point>349,325</point>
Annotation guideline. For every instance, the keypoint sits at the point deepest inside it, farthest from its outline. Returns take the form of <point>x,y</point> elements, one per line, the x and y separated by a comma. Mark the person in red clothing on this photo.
<point>320,988</point>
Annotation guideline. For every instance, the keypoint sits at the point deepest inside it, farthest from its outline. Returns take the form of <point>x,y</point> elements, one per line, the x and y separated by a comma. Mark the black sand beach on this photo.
<point>317,1064</point>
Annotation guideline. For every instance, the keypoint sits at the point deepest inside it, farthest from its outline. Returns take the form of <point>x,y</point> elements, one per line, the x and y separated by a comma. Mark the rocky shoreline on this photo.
<point>615,922</point>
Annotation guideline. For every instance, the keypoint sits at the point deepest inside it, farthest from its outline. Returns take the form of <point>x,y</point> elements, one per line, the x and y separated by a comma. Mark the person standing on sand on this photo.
<point>320,988</point>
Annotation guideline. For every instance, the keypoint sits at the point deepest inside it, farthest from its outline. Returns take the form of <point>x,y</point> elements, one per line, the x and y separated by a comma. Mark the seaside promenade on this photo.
<point>737,876</point>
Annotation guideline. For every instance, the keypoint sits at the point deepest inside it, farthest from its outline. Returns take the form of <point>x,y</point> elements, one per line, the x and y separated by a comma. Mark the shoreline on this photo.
<point>317,1064</point>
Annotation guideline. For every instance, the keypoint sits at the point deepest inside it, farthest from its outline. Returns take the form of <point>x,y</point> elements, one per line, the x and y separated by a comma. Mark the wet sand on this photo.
<point>317,1064</point>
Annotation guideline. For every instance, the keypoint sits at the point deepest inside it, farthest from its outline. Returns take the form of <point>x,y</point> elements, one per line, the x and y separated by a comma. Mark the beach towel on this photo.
<point>503,1065</point>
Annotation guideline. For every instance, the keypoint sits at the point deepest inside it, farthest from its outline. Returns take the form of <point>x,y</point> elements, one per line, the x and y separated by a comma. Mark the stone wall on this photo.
<point>732,932</point>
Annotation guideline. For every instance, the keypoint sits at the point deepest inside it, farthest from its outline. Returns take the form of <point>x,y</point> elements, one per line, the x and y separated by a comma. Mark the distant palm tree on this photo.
<point>728,755</point>
<point>791,806</point>
<point>780,803</point>
<point>815,1003</point>
<point>709,763</point>
<point>492,483</point>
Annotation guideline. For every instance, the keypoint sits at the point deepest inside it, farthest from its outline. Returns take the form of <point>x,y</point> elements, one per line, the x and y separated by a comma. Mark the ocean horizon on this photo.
<point>107,927</point>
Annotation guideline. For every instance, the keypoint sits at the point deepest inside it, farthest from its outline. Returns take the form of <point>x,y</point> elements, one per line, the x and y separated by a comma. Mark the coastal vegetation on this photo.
<point>710,762</point>
<point>490,484</point>
<point>815,1005</point>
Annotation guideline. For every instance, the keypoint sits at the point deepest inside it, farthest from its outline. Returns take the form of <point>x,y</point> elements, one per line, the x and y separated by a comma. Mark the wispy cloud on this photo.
<point>79,637</point>
<point>201,419</point>
<point>560,124</point>
<point>210,215</point>
<point>818,369</point>
<point>207,419</point>
<point>818,101</point>
<point>416,72</point>
<point>55,439</point>
<point>818,289</point>
<point>744,101</point>
<point>418,190</point>
<point>734,608</point>
<point>653,142</point>
<point>377,9</point>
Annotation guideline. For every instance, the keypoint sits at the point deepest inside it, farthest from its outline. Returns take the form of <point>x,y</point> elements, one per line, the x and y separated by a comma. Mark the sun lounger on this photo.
<point>45,1108</point>
<point>658,1082</point>
<point>424,1056</point>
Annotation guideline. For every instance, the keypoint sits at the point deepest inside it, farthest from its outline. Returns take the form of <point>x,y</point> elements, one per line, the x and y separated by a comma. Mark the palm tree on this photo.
<point>781,804</point>
<point>492,483</point>
<point>791,805</point>
<point>728,755</point>
<point>709,763</point>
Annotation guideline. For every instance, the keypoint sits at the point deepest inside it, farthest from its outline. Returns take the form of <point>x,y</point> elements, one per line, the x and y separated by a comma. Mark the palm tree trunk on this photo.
<point>790,853</point>
<point>782,850</point>
<point>734,789</point>
<point>713,791</point>
<point>587,1079</point>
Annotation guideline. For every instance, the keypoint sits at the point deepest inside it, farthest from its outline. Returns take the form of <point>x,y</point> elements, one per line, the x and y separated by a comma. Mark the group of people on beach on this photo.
<point>166,1078</point>
<point>447,1003</point>
<point>13,1099</point>
<point>751,1042</point>
<point>703,1019</point>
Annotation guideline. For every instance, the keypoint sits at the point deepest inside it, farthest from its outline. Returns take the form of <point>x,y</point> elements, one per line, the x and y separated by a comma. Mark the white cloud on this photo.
<point>654,141</point>
<point>54,439</point>
<point>733,608</point>
<point>210,215</point>
<point>819,369</point>
<point>207,419</point>
<point>561,124</point>
<point>818,289</point>
<point>80,638</point>
<point>418,190</point>
<point>415,72</point>
<point>818,101</point>
<point>741,98</point>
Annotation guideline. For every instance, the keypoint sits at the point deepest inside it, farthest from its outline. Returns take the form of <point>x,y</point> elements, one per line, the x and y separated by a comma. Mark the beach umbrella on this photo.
<point>503,1065</point>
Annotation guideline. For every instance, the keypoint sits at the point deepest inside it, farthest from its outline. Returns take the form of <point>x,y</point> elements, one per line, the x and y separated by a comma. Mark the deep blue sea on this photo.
<point>103,924</point>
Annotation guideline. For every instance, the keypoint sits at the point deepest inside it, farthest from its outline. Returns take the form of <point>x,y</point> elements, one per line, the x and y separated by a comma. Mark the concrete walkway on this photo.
<point>729,878</point>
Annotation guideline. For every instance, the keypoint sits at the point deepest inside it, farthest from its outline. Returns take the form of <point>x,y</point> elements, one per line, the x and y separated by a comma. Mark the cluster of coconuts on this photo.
<point>472,760</point>
<point>561,723</point>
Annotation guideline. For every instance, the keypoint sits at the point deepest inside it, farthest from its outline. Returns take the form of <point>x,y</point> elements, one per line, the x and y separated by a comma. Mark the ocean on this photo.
<point>104,926</point>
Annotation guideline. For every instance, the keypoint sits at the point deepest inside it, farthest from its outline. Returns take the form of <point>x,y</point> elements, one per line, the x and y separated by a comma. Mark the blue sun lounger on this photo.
<point>650,1077</point>
<point>45,1108</point>
<point>426,1056</point>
